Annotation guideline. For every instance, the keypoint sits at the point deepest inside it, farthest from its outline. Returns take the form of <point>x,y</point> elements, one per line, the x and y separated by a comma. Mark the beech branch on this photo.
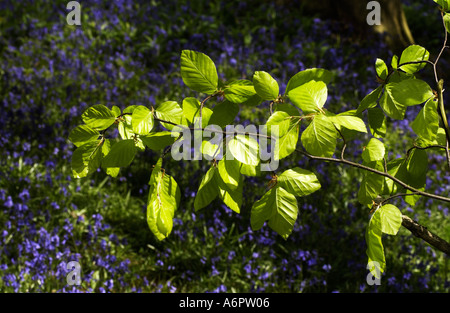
<point>423,233</point>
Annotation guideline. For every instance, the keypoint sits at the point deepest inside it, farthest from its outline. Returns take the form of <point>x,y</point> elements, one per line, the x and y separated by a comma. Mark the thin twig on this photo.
<point>360,166</point>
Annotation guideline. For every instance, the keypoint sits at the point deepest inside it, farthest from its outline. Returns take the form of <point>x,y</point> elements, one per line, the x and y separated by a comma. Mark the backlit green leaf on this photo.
<point>199,72</point>
<point>265,86</point>
<point>98,117</point>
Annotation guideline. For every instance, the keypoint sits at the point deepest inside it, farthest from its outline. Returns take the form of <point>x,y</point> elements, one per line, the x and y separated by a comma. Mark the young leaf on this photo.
<point>410,92</point>
<point>280,119</point>
<point>116,110</point>
<point>111,171</point>
<point>375,250</point>
<point>158,141</point>
<point>413,53</point>
<point>232,198</point>
<point>279,208</point>
<point>310,97</point>
<point>121,154</point>
<point>371,185</point>
<point>142,120</point>
<point>393,109</point>
<point>381,69</point>
<point>265,86</point>
<point>299,182</point>
<point>417,167</point>
<point>426,123</point>
<point>370,101</point>
<point>229,171</point>
<point>377,122</point>
<point>374,151</point>
<point>191,111</point>
<point>163,200</point>
<point>445,4</point>
<point>207,191</point>
<point>239,91</point>
<point>170,111</point>
<point>83,134</point>
<point>244,149</point>
<point>98,117</point>
<point>224,114</point>
<point>199,72</point>
<point>86,159</point>
<point>349,122</point>
<point>319,138</point>
<point>303,77</point>
<point>391,219</point>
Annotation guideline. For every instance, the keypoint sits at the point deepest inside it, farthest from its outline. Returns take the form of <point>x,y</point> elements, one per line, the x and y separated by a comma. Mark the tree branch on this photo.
<point>366,168</point>
<point>423,233</point>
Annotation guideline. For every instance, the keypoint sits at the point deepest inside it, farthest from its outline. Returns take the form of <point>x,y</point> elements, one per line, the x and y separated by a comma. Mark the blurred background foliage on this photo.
<point>127,53</point>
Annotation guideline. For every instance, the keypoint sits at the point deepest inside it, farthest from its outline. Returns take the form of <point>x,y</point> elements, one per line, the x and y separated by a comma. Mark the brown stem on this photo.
<point>423,233</point>
<point>360,166</point>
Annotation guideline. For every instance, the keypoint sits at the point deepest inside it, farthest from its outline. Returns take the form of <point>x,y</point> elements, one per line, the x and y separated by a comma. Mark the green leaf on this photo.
<point>369,101</point>
<point>375,250</point>
<point>163,200</point>
<point>310,97</point>
<point>199,72</point>
<point>394,62</point>
<point>393,109</point>
<point>381,69</point>
<point>410,92</point>
<point>158,141</point>
<point>288,108</point>
<point>319,138</point>
<point>83,134</point>
<point>249,170</point>
<point>447,21</point>
<point>224,114</point>
<point>417,167</point>
<point>239,91</point>
<point>244,149</point>
<point>377,122</point>
<point>125,126</point>
<point>232,198</point>
<point>116,110</point>
<point>142,120</point>
<point>121,154</point>
<point>441,139</point>
<point>229,171</point>
<point>414,53</point>
<point>279,208</point>
<point>207,191</point>
<point>308,75</point>
<point>371,185</point>
<point>349,122</point>
<point>170,111</point>
<point>98,117</point>
<point>374,151</point>
<point>111,171</point>
<point>280,119</point>
<point>426,123</point>
<point>86,159</point>
<point>191,111</point>
<point>445,4</point>
<point>299,182</point>
<point>265,86</point>
<point>391,219</point>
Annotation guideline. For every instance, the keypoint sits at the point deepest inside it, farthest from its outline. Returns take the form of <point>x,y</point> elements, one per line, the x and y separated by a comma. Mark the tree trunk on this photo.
<point>355,12</point>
